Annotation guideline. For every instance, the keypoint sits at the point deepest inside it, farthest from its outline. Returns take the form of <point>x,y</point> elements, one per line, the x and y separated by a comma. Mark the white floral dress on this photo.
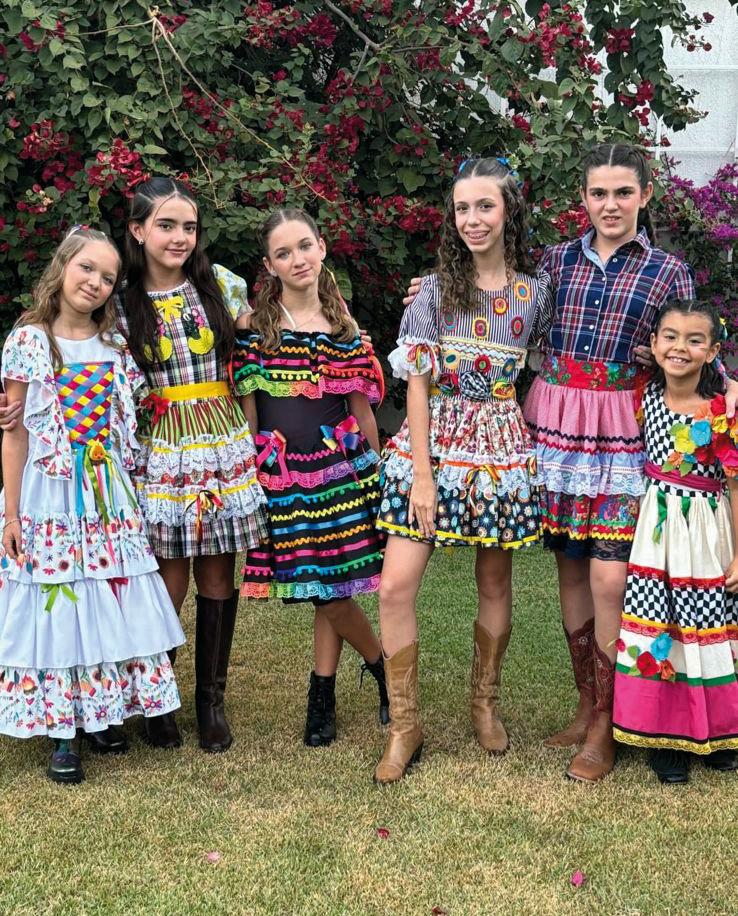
<point>85,619</point>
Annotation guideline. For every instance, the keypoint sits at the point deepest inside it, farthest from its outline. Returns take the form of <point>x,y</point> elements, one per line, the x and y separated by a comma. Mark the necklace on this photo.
<point>296,327</point>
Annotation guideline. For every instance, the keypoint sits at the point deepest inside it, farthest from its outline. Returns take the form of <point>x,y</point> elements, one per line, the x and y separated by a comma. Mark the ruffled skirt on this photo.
<point>675,680</point>
<point>196,481</point>
<point>590,455</point>
<point>485,470</point>
<point>322,507</point>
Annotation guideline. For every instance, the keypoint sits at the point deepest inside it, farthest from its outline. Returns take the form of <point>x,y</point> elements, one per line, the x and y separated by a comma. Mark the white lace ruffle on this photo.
<point>197,456</point>
<point>592,481</point>
<point>405,362</point>
<point>177,505</point>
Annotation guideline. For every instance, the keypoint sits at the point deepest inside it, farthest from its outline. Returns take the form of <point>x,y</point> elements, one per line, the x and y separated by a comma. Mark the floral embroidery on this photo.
<point>500,305</point>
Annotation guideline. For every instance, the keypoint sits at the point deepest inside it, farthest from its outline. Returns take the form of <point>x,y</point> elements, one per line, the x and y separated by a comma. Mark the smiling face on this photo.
<point>295,255</point>
<point>89,278</point>
<point>683,344</point>
<point>613,197</point>
<point>479,212</point>
<point>169,233</point>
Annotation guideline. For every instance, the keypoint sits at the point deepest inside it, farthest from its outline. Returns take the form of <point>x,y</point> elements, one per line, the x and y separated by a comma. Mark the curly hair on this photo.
<point>46,295</point>
<point>266,318</point>
<point>455,263</point>
<point>143,335</point>
<point>629,157</point>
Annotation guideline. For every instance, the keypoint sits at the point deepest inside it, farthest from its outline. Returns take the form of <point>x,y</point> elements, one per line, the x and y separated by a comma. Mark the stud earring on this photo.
<point>140,241</point>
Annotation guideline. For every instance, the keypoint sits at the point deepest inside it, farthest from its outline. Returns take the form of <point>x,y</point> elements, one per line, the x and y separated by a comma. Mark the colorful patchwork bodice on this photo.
<point>86,395</point>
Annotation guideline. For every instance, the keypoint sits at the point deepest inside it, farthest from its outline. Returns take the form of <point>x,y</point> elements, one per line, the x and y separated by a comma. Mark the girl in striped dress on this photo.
<point>676,689</point>
<point>301,369</point>
<point>462,469</point>
<point>196,475</point>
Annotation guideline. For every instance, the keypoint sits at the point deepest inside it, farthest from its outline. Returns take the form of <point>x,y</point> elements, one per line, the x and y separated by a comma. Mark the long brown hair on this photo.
<point>629,157</point>
<point>267,315</point>
<point>455,263</point>
<point>46,295</point>
<point>139,308</point>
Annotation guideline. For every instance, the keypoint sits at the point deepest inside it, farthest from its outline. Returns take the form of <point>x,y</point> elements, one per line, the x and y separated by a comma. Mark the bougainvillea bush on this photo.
<point>359,110</point>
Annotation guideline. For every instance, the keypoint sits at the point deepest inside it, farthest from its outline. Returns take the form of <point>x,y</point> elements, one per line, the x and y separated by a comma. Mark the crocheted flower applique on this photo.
<point>654,662</point>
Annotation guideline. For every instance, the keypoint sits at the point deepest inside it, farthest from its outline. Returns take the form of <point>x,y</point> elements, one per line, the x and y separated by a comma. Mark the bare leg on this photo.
<point>575,591</point>
<point>351,624</point>
<point>494,587</point>
<point>214,575</point>
<point>404,564</point>
<point>608,579</point>
<point>327,645</point>
<point>176,576</point>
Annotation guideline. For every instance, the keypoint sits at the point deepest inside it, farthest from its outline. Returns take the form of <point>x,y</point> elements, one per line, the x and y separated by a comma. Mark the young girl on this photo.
<point>462,469</point>
<point>85,619</point>
<point>301,369</point>
<point>196,476</point>
<point>676,689</point>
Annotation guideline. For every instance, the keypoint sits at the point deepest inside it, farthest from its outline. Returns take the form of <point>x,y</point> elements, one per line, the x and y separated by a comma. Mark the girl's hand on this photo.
<point>412,291</point>
<point>366,341</point>
<point>731,397</point>
<point>9,413</point>
<point>13,539</point>
<point>643,356</point>
<point>422,504</point>
<point>731,577</point>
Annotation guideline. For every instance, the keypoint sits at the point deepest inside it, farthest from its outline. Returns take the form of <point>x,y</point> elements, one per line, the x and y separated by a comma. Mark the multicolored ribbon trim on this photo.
<point>274,450</point>
<point>471,482</point>
<point>205,501</point>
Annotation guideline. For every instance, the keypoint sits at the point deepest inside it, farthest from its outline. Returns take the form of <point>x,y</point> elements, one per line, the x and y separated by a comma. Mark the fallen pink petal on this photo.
<point>439,911</point>
<point>212,857</point>
<point>577,879</point>
<point>383,833</point>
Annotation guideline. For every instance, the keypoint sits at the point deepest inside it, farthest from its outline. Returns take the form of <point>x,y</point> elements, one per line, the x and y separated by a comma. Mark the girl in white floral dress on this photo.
<point>85,619</point>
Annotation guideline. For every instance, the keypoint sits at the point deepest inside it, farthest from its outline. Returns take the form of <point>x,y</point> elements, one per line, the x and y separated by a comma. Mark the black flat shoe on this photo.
<point>722,761</point>
<point>65,765</point>
<point>161,731</point>
<point>671,767</point>
<point>110,741</point>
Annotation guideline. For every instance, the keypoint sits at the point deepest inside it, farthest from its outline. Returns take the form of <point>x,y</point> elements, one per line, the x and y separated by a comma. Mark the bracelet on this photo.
<point>11,522</point>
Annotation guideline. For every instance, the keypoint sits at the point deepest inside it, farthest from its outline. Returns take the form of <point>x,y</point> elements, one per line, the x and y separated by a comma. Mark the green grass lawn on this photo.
<point>296,828</point>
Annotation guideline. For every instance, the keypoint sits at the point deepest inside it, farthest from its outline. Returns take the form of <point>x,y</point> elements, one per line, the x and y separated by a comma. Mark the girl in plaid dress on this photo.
<point>196,475</point>
<point>85,619</point>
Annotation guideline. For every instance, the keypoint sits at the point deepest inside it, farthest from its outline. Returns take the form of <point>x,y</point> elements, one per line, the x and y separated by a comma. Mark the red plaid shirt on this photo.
<point>602,310</point>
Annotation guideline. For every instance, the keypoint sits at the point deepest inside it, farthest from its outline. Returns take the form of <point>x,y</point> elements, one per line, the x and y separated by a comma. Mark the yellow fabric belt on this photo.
<point>195,391</point>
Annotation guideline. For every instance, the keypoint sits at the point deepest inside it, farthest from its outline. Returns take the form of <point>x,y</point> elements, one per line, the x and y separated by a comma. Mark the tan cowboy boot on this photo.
<point>596,757</point>
<point>485,689</point>
<point>405,739</point>
<point>581,649</point>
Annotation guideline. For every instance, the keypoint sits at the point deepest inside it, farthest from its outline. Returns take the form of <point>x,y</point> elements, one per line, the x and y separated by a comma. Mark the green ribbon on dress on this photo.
<point>53,592</point>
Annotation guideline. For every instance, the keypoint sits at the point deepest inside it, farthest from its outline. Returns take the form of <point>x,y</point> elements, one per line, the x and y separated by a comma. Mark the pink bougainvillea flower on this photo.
<point>577,879</point>
<point>383,833</point>
<point>213,857</point>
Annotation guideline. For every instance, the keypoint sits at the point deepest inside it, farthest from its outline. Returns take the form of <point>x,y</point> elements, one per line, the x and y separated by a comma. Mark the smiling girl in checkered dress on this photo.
<point>676,689</point>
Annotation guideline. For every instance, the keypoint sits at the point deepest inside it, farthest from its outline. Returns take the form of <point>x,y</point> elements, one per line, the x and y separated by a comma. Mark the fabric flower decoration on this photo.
<point>661,646</point>
<point>682,439</point>
<point>701,432</point>
<point>666,671</point>
<point>647,664</point>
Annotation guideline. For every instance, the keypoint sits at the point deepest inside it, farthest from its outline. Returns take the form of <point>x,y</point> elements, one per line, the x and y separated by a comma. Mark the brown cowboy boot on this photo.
<point>485,689</point>
<point>596,757</point>
<point>581,644</point>
<point>405,739</point>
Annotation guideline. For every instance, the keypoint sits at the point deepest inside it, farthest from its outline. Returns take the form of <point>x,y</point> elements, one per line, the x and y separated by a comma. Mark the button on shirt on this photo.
<point>604,310</point>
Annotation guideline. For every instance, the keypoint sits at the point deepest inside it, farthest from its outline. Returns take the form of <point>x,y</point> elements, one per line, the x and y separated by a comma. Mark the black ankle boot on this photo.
<point>320,726</point>
<point>162,732</point>
<point>110,741</point>
<point>723,761</point>
<point>216,620</point>
<point>376,669</point>
<point>671,767</point>
<point>65,765</point>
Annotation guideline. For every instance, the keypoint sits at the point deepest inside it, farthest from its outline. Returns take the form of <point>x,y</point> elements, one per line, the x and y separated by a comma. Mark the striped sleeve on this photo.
<point>545,305</point>
<point>417,344</point>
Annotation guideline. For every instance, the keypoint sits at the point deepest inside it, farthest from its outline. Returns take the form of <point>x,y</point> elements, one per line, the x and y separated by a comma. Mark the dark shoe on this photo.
<point>65,765</point>
<point>110,741</point>
<point>162,732</point>
<point>376,669</point>
<point>671,767</point>
<point>722,761</point>
<point>320,726</point>
<point>216,620</point>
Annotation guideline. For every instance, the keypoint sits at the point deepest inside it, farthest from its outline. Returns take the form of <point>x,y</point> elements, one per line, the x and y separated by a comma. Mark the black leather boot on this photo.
<point>320,726</point>
<point>162,731</point>
<point>216,620</point>
<point>723,761</point>
<point>65,765</point>
<point>671,767</point>
<point>110,741</point>
<point>376,669</point>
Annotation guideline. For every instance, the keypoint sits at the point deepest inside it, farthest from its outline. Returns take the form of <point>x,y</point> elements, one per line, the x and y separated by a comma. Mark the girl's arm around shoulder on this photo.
<point>731,573</point>
<point>14,457</point>
<point>234,291</point>
<point>248,406</point>
<point>361,409</point>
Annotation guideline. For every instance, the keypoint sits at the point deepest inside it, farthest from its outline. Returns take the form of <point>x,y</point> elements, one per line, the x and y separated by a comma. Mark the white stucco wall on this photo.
<point>703,147</point>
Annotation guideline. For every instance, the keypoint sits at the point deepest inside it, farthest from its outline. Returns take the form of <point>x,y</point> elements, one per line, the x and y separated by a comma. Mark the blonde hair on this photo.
<point>45,308</point>
<point>266,318</point>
